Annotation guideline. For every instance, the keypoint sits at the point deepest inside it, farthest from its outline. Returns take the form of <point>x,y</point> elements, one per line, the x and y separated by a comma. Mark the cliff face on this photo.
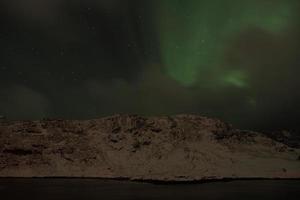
<point>178,148</point>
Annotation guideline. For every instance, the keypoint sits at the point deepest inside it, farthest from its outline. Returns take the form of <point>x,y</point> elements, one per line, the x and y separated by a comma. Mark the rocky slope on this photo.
<point>177,148</point>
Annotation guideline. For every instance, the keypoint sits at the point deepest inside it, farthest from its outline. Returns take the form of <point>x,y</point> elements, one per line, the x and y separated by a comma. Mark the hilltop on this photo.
<point>167,148</point>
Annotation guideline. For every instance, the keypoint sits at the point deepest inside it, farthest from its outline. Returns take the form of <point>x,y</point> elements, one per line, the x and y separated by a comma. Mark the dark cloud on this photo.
<point>21,102</point>
<point>272,63</point>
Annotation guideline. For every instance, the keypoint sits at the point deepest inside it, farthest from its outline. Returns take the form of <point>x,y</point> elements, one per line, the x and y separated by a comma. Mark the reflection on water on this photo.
<point>90,189</point>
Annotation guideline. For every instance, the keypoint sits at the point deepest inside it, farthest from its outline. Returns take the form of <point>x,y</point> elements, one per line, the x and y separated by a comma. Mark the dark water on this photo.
<point>90,189</point>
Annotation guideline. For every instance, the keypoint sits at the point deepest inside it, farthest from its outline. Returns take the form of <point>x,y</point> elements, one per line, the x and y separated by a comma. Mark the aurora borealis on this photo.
<point>235,60</point>
<point>194,34</point>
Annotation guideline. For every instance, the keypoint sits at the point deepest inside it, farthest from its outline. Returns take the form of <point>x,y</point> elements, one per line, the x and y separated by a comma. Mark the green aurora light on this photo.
<point>194,35</point>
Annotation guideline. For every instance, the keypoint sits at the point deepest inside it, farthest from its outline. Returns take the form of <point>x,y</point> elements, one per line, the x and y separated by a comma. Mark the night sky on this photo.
<point>80,59</point>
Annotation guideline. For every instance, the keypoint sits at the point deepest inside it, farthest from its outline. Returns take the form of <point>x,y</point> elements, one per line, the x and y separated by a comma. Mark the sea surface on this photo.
<point>90,189</point>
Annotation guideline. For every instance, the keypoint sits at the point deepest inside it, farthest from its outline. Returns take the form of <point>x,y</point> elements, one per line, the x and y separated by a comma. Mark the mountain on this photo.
<point>174,148</point>
<point>290,138</point>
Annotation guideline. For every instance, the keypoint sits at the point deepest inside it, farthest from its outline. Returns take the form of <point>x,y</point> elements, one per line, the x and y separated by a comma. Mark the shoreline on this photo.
<point>155,182</point>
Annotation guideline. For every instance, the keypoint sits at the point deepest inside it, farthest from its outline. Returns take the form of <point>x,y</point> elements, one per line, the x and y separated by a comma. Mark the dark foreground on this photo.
<point>82,189</point>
